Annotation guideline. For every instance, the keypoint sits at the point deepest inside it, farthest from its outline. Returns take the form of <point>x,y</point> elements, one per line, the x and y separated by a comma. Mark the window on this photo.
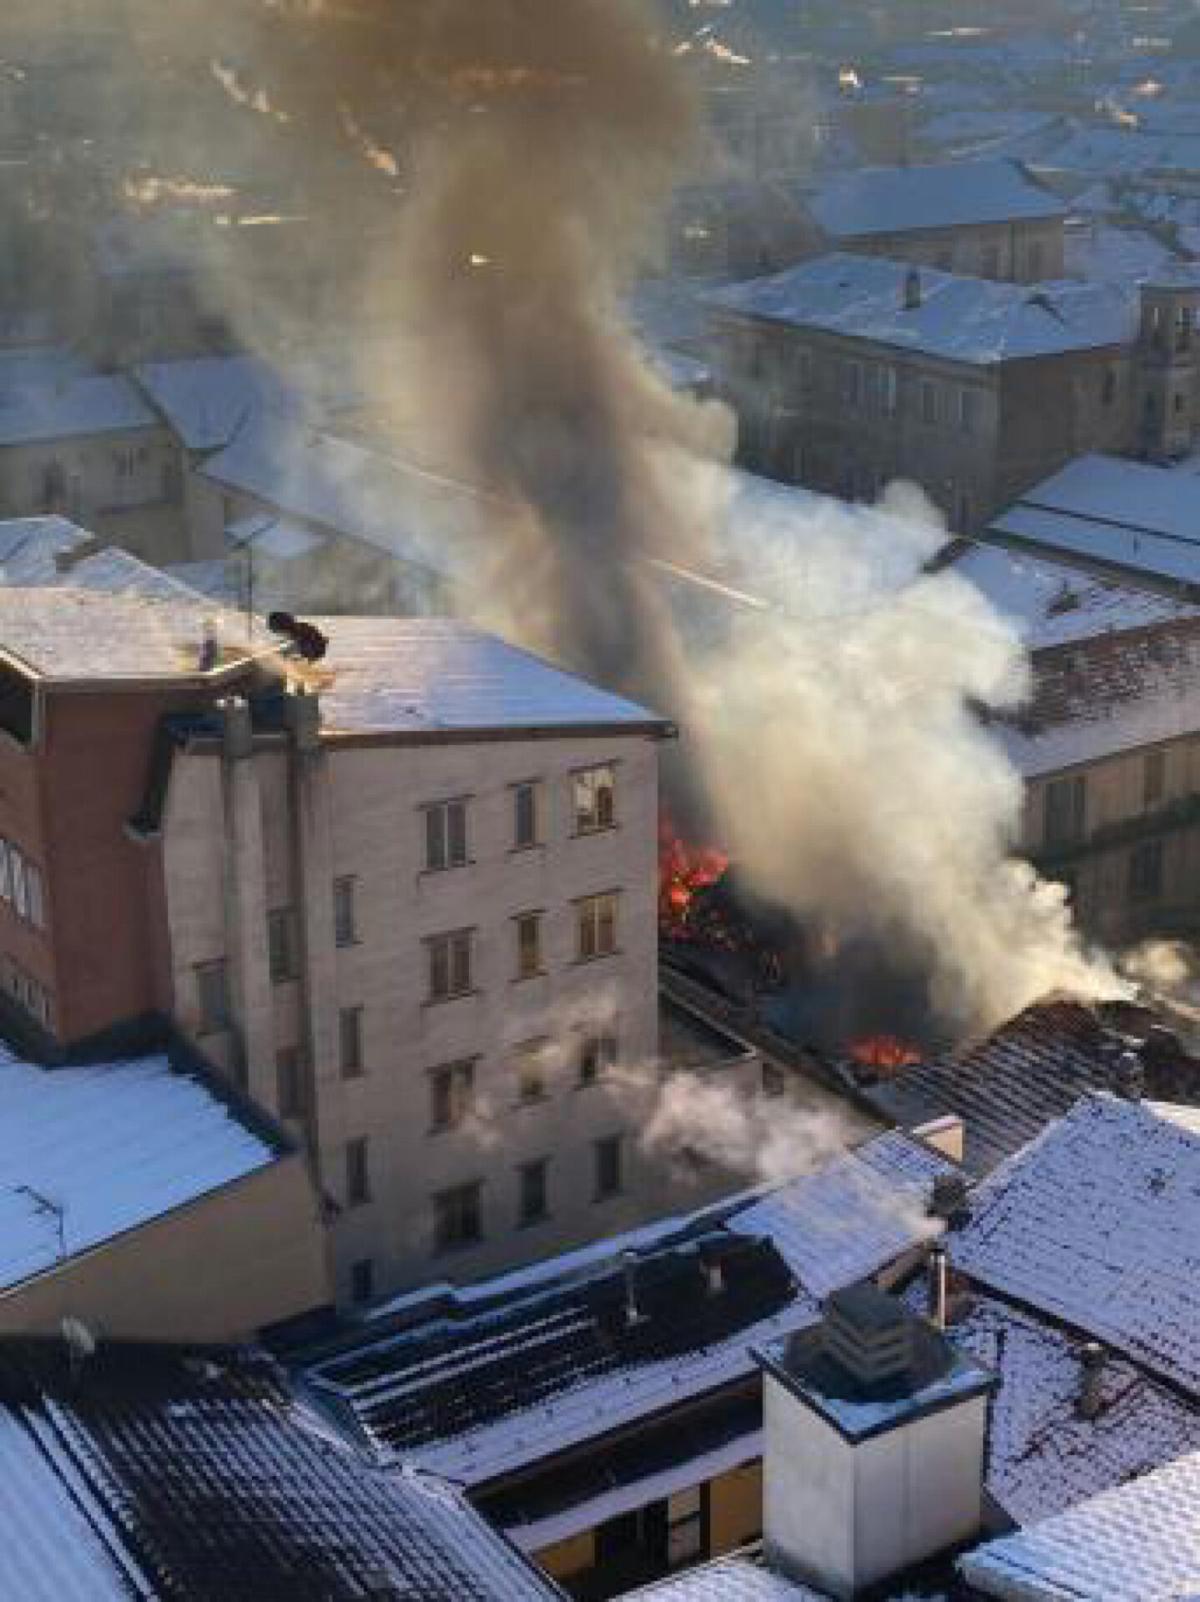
<point>212,989</point>
<point>525,816</point>
<point>20,882</point>
<point>607,1156</point>
<point>773,1080</point>
<point>852,383</point>
<point>595,798</point>
<point>446,835</point>
<point>449,964</point>
<point>928,402</point>
<point>281,944</point>
<point>451,1093</point>
<point>686,1526</point>
<point>458,1217</point>
<point>1066,808</point>
<point>1145,871</point>
<point>532,1060</point>
<point>358,1178</point>
<point>350,1052</point>
<point>597,1054</point>
<point>36,896</point>
<point>345,928</point>
<point>968,400</point>
<point>597,926</point>
<point>529,944</point>
<point>1154,778</point>
<point>289,1086</point>
<point>5,871</point>
<point>532,1198</point>
<point>890,390</point>
<point>362,1280</point>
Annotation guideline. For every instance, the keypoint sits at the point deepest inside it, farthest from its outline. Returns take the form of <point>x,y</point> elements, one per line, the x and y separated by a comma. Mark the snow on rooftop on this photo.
<point>731,1580</point>
<point>70,408</point>
<point>1051,604</point>
<point>1137,1543</point>
<point>135,624</point>
<point>105,1149</point>
<point>52,1553</point>
<point>1043,1456</point>
<point>852,1217</point>
<point>207,399</point>
<point>423,675</point>
<point>1103,253</point>
<point>1097,1222</point>
<point>885,200</point>
<point>419,517</point>
<point>970,320</point>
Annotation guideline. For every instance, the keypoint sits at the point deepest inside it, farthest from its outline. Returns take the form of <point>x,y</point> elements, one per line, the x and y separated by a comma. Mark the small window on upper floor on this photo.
<point>451,1095</point>
<point>345,922</point>
<point>607,1167</point>
<point>597,925</point>
<point>597,1054</point>
<point>528,927</point>
<point>445,835</point>
<point>458,1217</point>
<point>595,798</point>
<point>350,1049</point>
<point>212,994</point>
<point>358,1175</point>
<point>450,964</point>
<point>525,815</point>
<point>281,945</point>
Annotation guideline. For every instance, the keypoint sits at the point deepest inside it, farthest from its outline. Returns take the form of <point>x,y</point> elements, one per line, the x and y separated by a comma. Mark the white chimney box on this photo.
<point>869,1472</point>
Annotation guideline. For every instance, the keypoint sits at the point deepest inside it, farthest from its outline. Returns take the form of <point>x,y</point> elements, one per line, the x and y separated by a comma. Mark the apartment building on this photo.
<point>407,903</point>
<point>849,372</point>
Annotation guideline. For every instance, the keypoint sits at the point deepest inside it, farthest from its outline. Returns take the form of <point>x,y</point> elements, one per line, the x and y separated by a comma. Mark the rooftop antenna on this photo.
<point>45,1207</point>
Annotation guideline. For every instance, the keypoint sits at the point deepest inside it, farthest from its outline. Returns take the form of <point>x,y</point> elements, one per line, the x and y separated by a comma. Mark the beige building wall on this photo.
<point>1016,252</point>
<point>250,1254</point>
<point>93,481</point>
<point>247,836</point>
<point>1118,890</point>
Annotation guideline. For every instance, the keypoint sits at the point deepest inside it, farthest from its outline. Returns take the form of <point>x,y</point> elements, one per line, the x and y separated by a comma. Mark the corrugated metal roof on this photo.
<point>70,408</point>
<point>885,200</point>
<point>89,1153</point>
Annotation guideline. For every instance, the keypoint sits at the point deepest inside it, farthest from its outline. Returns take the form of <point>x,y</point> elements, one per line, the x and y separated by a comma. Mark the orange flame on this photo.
<point>884,1051</point>
<point>683,869</point>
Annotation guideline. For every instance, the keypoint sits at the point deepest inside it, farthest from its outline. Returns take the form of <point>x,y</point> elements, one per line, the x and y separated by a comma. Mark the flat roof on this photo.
<point>971,320</point>
<point>435,675</point>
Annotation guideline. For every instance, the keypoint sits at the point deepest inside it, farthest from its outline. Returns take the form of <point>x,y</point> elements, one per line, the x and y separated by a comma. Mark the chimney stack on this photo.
<point>873,1445</point>
<point>912,289</point>
<point>1090,1400</point>
<point>1129,1076</point>
<point>948,1198</point>
<point>633,1314</point>
<point>937,1287</point>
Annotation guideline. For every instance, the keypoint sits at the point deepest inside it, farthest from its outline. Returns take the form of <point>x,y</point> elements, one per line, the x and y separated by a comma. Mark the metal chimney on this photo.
<point>948,1198</point>
<point>1090,1401</point>
<point>633,1314</point>
<point>1129,1076</point>
<point>912,289</point>
<point>937,1287</point>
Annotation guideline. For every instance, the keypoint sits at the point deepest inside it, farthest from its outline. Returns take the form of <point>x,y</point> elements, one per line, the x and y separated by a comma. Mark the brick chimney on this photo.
<point>874,1445</point>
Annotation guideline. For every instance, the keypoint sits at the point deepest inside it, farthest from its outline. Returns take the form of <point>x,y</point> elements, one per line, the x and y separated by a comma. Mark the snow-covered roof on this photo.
<point>52,1553</point>
<point>196,1473</point>
<point>1051,603</point>
<point>736,1579</point>
<point>407,512</point>
<point>971,320</point>
<point>32,549</point>
<point>149,628</point>
<point>1113,514</point>
<point>87,1154</point>
<point>1106,696</point>
<point>1136,1543</point>
<point>1043,1454</point>
<point>1104,253</point>
<point>1097,1222</point>
<point>430,675</point>
<point>849,1220</point>
<point>887,200</point>
<point>103,403</point>
<point>207,399</point>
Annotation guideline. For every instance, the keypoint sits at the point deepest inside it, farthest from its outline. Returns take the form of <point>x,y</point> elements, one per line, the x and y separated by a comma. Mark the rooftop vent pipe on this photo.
<point>948,1198</point>
<point>937,1287</point>
<point>633,1314</point>
<point>912,289</point>
<point>1090,1401</point>
<point>1129,1076</point>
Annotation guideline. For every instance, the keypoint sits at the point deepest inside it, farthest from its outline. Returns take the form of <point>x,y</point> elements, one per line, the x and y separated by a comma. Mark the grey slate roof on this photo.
<point>885,200</point>
<point>91,404</point>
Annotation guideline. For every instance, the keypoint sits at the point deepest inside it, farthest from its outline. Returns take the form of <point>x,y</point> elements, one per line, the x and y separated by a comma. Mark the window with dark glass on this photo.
<point>532,1192</point>
<point>281,944</point>
<point>525,816</point>
<point>597,1053</point>
<point>597,926</point>
<point>451,1093</point>
<point>358,1178</point>
<point>529,944</point>
<point>607,1157</point>
<point>458,1217</point>
<point>345,927</point>
<point>350,1053</point>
